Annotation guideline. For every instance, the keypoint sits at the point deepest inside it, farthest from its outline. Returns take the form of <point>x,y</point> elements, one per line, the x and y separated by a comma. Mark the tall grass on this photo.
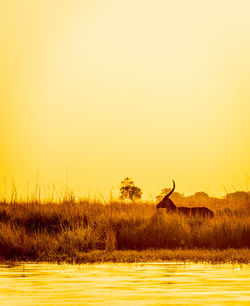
<point>36,231</point>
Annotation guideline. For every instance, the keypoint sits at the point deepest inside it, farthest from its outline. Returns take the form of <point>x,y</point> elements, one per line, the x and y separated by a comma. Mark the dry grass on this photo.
<point>66,231</point>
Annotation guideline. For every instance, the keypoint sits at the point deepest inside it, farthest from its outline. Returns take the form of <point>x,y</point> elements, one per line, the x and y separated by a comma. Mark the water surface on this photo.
<point>125,284</point>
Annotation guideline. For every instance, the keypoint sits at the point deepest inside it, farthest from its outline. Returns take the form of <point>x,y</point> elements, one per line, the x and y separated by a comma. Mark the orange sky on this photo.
<point>94,91</point>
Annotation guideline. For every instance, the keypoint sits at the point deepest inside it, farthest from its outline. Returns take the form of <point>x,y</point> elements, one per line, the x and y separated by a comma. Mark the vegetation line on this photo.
<point>122,232</point>
<point>240,256</point>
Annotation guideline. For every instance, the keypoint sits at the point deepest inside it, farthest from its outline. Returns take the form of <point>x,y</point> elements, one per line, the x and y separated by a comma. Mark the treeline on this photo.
<point>238,199</point>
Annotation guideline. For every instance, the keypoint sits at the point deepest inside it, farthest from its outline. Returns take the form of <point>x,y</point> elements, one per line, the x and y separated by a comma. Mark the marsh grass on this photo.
<point>68,231</point>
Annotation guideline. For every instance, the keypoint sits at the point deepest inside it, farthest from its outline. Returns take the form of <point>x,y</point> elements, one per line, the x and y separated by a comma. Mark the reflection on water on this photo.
<point>124,284</point>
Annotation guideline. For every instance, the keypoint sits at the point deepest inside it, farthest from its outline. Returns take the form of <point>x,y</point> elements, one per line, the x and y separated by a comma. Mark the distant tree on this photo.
<point>165,191</point>
<point>239,197</point>
<point>201,195</point>
<point>198,198</point>
<point>129,191</point>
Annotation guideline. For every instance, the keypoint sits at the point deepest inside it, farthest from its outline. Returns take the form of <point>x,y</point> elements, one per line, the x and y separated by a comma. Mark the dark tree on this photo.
<point>129,191</point>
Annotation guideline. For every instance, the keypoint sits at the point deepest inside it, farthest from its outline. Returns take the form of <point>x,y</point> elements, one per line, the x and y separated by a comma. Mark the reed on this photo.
<point>46,231</point>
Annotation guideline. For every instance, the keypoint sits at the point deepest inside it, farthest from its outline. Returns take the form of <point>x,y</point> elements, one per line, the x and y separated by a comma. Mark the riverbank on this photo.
<point>233,256</point>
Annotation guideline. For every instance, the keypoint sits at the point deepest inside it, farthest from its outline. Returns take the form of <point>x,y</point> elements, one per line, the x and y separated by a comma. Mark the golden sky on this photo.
<point>94,91</point>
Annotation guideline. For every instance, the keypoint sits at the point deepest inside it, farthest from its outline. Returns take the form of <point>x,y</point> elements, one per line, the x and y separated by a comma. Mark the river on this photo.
<point>125,284</point>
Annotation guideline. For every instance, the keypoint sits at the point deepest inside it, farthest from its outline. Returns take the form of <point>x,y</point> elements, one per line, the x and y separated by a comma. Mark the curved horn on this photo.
<point>169,194</point>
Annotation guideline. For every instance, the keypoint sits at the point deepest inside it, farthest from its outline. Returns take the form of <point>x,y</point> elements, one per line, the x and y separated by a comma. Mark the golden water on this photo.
<point>125,284</point>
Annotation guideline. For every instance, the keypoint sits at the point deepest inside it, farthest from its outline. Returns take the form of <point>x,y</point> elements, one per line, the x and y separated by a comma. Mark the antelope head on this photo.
<point>166,202</point>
